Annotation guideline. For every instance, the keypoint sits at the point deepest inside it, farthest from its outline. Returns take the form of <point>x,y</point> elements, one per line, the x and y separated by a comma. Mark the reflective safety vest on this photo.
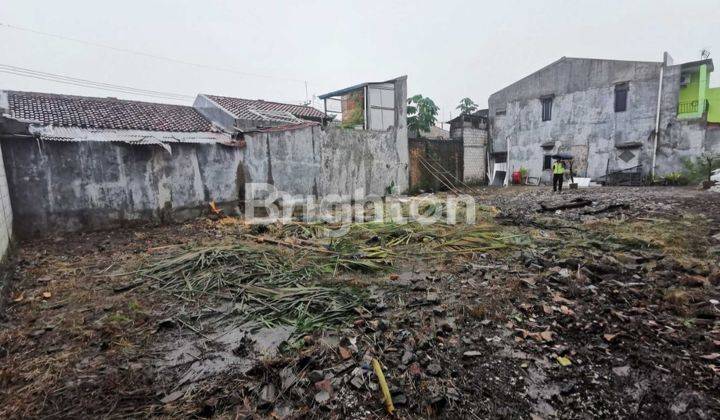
<point>558,168</point>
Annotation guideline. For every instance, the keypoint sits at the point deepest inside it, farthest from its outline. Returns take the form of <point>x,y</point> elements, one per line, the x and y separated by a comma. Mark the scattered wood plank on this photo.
<point>574,204</point>
<point>609,207</point>
<point>128,286</point>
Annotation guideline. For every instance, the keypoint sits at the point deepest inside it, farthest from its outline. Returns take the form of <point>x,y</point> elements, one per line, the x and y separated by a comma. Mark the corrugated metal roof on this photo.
<point>349,89</point>
<point>134,137</point>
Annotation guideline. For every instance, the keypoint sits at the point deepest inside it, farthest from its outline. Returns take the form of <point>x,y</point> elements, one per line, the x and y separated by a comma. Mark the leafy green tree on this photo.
<point>421,114</point>
<point>467,106</point>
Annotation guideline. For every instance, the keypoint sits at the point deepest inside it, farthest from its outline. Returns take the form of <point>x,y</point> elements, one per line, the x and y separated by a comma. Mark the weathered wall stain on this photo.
<point>69,186</point>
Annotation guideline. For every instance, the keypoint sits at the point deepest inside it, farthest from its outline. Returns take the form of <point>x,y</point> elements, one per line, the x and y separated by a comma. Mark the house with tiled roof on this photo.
<point>78,162</point>
<point>74,163</point>
<point>237,114</point>
<point>57,117</point>
<point>105,113</point>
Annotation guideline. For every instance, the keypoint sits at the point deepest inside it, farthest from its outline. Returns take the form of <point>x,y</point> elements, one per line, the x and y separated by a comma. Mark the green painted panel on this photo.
<point>713,98</point>
<point>690,92</point>
<point>691,101</point>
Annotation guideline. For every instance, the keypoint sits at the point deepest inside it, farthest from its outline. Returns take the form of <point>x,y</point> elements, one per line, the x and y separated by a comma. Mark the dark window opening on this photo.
<point>546,108</point>
<point>501,111</point>
<point>621,94</point>
<point>500,157</point>
<point>547,162</point>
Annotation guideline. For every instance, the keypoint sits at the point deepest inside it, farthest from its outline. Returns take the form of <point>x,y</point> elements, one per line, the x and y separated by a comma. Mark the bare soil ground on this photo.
<point>611,309</point>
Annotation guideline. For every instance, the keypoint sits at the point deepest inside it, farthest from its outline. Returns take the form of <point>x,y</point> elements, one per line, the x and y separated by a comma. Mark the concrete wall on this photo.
<point>68,186</point>
<point>326,161</point>
<point>331,161</point>
<point>60,186</point>
<point>6,215</point>
<point>323,161</point>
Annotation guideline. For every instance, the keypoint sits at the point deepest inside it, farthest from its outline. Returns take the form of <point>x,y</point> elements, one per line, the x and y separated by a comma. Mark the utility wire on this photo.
<point>145,54</point>
<point>92,86</point>
<point>24,72</point>
<point>78,80</point>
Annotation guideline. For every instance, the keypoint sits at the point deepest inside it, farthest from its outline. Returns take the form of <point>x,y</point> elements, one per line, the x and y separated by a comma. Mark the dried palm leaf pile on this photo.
<point>288,276</point>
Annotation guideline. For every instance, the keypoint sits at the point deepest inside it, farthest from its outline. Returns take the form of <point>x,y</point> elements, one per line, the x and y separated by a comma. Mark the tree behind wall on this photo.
<point>467,106</point>
<point>422,113</point>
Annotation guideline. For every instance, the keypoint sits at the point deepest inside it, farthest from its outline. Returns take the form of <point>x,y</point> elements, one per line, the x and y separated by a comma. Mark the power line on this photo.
<point>145,54</point>
<point>35,74</point>
<point>100,84</point>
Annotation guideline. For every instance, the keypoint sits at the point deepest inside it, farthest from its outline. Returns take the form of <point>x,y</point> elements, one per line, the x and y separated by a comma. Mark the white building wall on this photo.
<point>6,219</point>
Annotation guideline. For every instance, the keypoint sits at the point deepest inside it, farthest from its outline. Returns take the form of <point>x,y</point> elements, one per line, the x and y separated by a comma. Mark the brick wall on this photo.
<point>474,144</point>
<point>5,213</point>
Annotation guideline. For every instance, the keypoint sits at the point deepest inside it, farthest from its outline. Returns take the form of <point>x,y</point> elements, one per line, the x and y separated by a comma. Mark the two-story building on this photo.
<point>610,115</point>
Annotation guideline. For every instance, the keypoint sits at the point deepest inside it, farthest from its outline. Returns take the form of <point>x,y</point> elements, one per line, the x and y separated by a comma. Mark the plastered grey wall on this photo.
<point>320,162</point>
<point>6,215</point>
<point>70,186</point>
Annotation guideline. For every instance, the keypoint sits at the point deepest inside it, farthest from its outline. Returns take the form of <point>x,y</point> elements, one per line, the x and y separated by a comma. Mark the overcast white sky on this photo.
<point>448,49</point>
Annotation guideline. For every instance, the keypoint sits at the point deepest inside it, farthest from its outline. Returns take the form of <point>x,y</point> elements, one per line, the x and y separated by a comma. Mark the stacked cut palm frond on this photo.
<point>354,255</point>
<point>277,280</point>
<point>300,230</point>
<point>307,308</point>
<point>468,239</point>
<point>379,242</point>
<point>268,286</point>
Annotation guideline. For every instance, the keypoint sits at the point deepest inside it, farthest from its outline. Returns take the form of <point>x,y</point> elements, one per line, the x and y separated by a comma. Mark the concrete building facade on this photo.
<point>606,113</point>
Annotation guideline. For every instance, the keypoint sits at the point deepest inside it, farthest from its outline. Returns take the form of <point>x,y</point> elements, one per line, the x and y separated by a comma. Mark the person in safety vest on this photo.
<point>558,170</point>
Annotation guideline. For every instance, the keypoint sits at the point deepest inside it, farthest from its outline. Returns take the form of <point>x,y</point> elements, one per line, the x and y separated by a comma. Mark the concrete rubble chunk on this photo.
<point>434,369</point>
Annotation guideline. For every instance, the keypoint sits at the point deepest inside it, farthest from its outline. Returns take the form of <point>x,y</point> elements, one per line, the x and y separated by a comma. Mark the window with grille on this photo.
<point>621,94</point>
<point>547,162</point>
<point>546,108</point>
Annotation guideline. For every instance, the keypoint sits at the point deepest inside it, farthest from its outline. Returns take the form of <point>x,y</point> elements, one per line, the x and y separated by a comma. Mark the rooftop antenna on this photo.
<point>704,54</point>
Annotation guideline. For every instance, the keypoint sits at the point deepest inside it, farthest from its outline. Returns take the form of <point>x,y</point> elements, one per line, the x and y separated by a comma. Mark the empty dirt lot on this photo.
<point>608,309</point>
